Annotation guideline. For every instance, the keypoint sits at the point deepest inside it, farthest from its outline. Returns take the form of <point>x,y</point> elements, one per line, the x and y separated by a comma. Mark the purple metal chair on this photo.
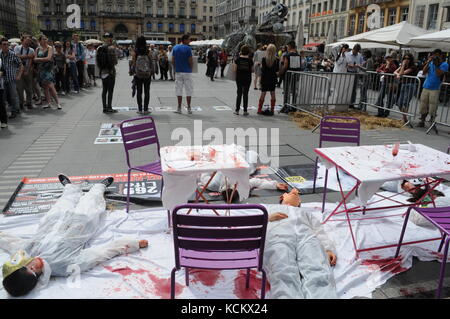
<point>136,133</point>
<point>336,132</point>
<point>219,242</point>
<point>440,217</point>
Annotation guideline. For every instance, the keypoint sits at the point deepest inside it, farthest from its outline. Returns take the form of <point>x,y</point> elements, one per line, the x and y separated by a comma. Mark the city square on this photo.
<point>81,139</point>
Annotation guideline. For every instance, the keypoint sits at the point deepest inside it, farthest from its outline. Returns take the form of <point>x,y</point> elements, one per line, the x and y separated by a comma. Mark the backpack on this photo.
<point>103,61</point>
<point>143,67</point>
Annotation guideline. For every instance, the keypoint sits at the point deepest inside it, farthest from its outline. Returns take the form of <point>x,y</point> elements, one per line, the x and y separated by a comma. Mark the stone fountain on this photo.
<point>269,31</point>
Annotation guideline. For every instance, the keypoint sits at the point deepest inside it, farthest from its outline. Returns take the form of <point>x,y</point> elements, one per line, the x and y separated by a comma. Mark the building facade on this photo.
<point>165,20</point>
<point>392,12</point>
<point>233,15</point>
<point>326,15</point>
<point>431,15</point>
<point>8,19</point>
<point>32,11</point>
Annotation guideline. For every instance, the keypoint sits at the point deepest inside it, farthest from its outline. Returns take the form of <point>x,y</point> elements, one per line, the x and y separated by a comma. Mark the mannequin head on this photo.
<point>291,199</point>
<point>21,273</point>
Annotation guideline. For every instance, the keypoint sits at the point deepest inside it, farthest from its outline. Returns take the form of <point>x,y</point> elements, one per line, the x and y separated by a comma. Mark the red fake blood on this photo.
<point>126,271</point>
<point>392,265</point>
<point>206,276</point>
<point>396,149</point>
<point>254,290</point>
<point>162,287</point>
<point>413,166</point>
<point>376,257</point>
<point>437,254</point>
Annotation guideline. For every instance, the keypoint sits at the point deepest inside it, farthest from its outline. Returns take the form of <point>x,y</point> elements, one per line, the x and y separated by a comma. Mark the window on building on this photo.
<point>361,20</point>
<point>404,12</point>
<point>343,5</point>
<point>160,26</point>
<point>351,27</point>
<point>182,28</point>
<point>120,8</point>
<point>171,28</point>
<point>59,23</point>
<point>420,16</point>
<point>432,16</point>
<point>392,17</point>
<point>93,25</point>
<point>382,14</point>
<point>149,27</point>
<point>193,28</point>
<point>82,24</point>
<point>204,29</point>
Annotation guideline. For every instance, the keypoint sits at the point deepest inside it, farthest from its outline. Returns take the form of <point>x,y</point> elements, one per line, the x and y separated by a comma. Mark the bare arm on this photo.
<point>191,62</point>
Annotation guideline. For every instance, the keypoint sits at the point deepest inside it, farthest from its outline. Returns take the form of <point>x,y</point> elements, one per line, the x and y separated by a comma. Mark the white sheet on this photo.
<point>146,273</point>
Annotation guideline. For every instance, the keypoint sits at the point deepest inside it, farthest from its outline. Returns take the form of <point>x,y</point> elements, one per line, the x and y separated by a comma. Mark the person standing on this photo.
<point>61,68</point>
<point>46,77</point>
<point>257,61</point>
<point>434,69</point>
<point>340,65</point>
<point>367,80</point>
<point>106,62</point>
<point>387,85</point>
<point>408,85</point>
<point>3,114</point>
<point>91,57</point>
<point>171,68</point>
<point>243,67</point>
<point>142,69</point>
<point>223,58</point>
<point>80,57</point>
<point>163,64</point>
<point>213,59</point>
<point>183,62</point>
<point>13,72</point>
<point>269,78</point>
<point>291,62</point>
<point>354,62</point>
<point>155,60</point>
<point>72,72</point>
<point>26,54</point>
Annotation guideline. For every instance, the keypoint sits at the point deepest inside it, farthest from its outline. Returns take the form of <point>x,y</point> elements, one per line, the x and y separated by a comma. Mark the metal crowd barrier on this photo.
<point>390,94</point>
<point>443,109</point>
<point>311,92</point>
<point>306,92</point>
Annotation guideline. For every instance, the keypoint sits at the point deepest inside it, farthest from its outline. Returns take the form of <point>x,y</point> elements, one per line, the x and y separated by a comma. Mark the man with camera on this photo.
<point>434,69</point>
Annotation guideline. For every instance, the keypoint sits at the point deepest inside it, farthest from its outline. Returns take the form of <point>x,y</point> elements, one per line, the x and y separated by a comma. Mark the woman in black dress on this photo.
<point>243,67</point>
<point>269,79</point>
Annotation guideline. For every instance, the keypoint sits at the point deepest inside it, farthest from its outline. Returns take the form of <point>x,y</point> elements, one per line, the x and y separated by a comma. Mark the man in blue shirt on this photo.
<point>434,69</point>
<point>80,56</point>
<point>182,62</point>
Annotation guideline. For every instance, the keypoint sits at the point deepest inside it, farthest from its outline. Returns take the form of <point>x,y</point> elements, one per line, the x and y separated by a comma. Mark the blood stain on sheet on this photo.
<point>437,254</point>
<point>253,292</point>
<point>392,265</point>
<point>156,286</point>
<point>205,276</point>
<point>162,286</point>
<point>376,257</point>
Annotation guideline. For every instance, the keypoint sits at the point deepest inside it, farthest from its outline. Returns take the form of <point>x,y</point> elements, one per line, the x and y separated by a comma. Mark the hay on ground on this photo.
<point>368,122</point>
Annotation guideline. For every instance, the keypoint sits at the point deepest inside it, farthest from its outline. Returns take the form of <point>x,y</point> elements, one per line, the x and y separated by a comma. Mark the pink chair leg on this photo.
<point>263,284</point>
<point>172,283</point>
<point>442,274</point>
<point>128,191</point>
<point>186,276</point>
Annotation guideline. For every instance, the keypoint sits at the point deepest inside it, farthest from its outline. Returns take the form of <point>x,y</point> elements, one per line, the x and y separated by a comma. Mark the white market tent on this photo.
<point>93,41</point>
<point>364,45</point>
<point>435,40</point>
<point>207,42</point>
<point>159,42</point>
<point>398,35</point>
<point>14,40</point>
<point>120,42</point>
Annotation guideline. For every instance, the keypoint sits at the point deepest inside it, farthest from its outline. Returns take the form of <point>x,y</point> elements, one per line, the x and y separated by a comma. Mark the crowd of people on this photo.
<point>38,71</point>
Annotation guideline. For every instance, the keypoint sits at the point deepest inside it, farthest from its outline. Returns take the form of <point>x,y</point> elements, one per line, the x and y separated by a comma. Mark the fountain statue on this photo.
<point>269,31</point>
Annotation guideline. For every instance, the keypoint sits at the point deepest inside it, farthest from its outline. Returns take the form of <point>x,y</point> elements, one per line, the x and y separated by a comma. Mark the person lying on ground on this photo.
<point>219,185</point>
<point>57,248</point>
<point>416,189</point>
<point>298,254</point>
